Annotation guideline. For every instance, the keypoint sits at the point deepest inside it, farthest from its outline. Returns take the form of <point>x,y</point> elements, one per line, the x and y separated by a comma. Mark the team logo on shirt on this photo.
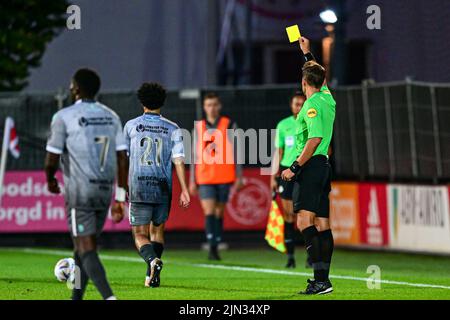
<point>311,113</point>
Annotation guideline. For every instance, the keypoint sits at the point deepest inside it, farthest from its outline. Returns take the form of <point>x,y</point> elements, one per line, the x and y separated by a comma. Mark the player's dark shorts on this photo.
<point>218,192</point>
<point>285,188</point>
<point>312,187</point>
<point>141,213</point>
<point>86,222</point>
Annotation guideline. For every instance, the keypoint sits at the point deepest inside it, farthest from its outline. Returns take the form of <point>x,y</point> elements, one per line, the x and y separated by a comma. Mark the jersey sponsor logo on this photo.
<point>311,113</point>
<point>153,129</point>
<point>95,121</point>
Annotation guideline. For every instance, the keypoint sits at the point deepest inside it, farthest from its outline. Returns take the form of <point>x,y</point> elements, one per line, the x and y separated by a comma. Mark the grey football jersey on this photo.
<point>153,141</point>
<point>87,136</point>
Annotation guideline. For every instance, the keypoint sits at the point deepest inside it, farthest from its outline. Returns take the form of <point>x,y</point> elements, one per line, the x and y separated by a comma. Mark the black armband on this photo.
<point>295,167</point>
<point>309,57</point>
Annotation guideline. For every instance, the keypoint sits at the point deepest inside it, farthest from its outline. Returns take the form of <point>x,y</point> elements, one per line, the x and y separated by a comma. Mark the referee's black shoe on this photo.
<point>317,287</point>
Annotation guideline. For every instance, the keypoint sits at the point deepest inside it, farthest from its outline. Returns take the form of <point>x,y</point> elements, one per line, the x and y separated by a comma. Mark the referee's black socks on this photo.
<point>327,246</point>
<point>289,237</point>
<point>314,248</point>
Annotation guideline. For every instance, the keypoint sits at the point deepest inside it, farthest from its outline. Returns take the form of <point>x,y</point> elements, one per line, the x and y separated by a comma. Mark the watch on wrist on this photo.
<point>309,57</point>
<point>295,167</point>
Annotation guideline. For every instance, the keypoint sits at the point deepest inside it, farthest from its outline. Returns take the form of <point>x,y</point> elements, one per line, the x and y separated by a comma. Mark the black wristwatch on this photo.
<point>309,57</point>
<point>295,167</point>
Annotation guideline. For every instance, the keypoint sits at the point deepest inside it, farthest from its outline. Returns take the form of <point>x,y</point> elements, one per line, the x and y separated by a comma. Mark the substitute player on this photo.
<point>312,172</point>
<point>88,138</point>
<point>286,153</point>
<point>214,169</point>
<point>154,143</point>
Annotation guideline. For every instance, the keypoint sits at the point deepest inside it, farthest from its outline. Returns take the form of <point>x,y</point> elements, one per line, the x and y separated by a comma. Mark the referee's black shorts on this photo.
<point>312,187</point>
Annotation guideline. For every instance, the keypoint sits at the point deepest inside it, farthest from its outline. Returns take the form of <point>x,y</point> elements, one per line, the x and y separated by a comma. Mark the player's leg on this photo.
<point>81,277</point>
<point>285,189</point>
<point>85,227</point>
<point>289,231</point>
<point>222,195</point>
<point>157,239</point>
<point>207,195</point>
<point>140,219</point>
<point>159,218</point>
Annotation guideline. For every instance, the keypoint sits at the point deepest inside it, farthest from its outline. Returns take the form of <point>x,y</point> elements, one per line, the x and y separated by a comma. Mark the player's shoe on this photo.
<point>291,263</point>
<point>214,254</point>
<point>154,280</point>
<point>317,287</point>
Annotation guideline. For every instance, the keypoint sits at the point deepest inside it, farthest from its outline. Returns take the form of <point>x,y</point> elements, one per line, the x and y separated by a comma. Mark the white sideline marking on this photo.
<point>237,268</point>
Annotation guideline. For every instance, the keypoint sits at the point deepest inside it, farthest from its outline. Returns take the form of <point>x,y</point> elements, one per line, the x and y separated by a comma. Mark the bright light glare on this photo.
<point>328,16</point>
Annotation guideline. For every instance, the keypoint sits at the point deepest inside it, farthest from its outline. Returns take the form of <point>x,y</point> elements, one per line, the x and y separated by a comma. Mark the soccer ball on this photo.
<point>65,269</point>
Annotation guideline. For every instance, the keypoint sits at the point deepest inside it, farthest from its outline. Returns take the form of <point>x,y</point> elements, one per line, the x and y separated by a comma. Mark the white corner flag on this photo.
<point>13,139</point>
<point>11,143</point>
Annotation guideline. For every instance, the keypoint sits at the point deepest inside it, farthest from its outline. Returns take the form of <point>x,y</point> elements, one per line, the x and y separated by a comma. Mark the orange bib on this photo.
<point>214,163</point>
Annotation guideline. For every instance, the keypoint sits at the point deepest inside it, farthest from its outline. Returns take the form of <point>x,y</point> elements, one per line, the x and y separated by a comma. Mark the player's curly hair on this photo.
<point>152,95</point>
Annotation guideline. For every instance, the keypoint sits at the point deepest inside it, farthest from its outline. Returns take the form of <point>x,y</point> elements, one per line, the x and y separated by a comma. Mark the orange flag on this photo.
<point>275,228</point>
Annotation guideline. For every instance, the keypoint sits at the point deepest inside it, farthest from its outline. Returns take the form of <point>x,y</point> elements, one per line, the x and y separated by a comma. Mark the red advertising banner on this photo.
<point>247,209</point>
<point>27,206</point>
<point>373,214</point>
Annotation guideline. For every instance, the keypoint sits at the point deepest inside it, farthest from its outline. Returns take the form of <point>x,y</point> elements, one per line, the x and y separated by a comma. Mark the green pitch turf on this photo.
<point>243,274</point>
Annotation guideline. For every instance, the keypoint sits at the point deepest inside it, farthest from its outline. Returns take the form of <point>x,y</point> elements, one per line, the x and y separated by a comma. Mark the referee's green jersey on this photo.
<point>285,139</point>
<point>316,120</point>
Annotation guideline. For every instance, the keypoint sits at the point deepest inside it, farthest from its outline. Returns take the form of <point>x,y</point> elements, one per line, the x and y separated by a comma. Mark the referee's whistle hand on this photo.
<point>287,175</point>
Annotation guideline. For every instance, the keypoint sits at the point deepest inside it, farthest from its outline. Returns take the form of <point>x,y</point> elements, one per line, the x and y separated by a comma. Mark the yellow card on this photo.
<point>293,33</point>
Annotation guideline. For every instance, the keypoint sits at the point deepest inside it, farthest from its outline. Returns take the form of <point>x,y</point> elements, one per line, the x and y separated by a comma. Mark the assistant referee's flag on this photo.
<point>275,228</point>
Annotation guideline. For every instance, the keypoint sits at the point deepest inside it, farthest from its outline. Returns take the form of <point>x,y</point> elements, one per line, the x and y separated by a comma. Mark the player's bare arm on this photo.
<point>51,166</point>
<point>185,199</point>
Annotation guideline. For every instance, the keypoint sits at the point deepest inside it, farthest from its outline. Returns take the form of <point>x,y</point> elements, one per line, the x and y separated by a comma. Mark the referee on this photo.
<point>312,172</point>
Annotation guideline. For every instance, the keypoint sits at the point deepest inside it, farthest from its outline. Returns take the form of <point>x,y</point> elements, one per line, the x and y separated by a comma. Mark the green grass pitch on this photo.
<point>243,274</point>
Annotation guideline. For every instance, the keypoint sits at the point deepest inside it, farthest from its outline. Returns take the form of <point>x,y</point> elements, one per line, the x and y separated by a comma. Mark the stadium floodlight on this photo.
<point>328,16</point>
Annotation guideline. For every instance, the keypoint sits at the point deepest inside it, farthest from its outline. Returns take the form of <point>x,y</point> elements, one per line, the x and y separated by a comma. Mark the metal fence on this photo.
<point>391,132</point>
